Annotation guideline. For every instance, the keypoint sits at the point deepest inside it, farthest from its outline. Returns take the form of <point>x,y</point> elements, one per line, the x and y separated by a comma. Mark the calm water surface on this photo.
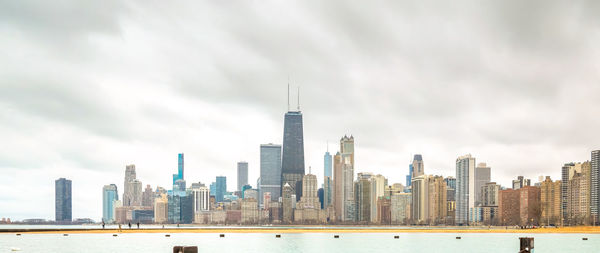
<point>311,242</point>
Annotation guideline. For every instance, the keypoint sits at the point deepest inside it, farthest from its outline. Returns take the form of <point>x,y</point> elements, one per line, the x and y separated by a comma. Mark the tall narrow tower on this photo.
<point>292,158</point>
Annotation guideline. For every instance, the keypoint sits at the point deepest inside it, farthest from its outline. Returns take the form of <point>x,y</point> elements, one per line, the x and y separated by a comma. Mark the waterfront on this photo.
<point>297,242</point>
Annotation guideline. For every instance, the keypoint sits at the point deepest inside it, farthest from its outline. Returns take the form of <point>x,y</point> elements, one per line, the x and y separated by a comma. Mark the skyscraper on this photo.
<point>420,203</point>
<point>292,158</point>
<point>410,175</point>
<point>418,166</point>
<point>482,177</point>
<point>550,199</point>
<point>327,180</point>
<point>220,188</point>
<point>465,188</point>
<point>363,199</point>
<point>338,185</point>
<point>347,165</point>
<point>62,200</point>
<point>179,175</point>
<point>595,187</point>
<point>201,199</point>
<point>132,193</point>
<point>242,175</point>
<point>148,197</point>
<point>270,171</point>
<point>327,164</point>
<point>109,195</point>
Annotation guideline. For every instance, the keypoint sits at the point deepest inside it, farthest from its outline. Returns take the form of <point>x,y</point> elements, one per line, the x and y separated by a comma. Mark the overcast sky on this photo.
<point>87,87</point>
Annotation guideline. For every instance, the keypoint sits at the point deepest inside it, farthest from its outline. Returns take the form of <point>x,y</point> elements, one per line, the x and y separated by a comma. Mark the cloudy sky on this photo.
<point>87,87</point>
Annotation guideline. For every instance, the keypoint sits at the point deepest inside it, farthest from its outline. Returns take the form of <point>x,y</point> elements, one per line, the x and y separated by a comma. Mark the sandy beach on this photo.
<point>284,230</point>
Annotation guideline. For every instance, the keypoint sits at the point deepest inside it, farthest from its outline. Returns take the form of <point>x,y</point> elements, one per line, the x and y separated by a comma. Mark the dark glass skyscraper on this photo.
<point>292,158</point>
<point>62,201</point>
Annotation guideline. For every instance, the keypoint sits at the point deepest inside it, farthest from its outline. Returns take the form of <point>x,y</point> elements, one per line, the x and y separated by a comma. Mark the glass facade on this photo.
<point>292,158</point>
<point>270,171</point>
<point>62,200</point>
<point>220,188</point>
<point>242,175</point>
<point>109,195</point>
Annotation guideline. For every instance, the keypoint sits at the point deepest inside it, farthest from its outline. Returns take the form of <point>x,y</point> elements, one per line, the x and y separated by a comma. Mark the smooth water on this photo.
<point>308,242</point>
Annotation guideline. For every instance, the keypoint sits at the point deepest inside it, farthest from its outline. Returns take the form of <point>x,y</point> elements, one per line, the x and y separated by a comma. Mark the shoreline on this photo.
<point>291,230</point>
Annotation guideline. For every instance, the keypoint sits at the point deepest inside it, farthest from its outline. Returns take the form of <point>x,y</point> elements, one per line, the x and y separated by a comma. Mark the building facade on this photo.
<point>292,158</point>
<point>109,195</point>
<point>62,200</point>
<point>465,188</point>
<point>270,170</point>
<point>242,175</point>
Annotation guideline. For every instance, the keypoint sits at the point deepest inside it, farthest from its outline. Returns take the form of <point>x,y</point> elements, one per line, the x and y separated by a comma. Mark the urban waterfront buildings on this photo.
<point>242,175</point>
<point>550,197</point>
<point>220,188</point>
<point>62,200</point>
<point>482,177</point>
<point>109,196</point>
<point>132,193</point>
<point>595,187</point>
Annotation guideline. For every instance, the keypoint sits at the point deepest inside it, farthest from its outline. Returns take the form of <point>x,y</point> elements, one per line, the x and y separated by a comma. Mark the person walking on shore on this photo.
<point>138,225</point>
<point>129,224</point>
<point>103,224</point>
<point>119,227</point>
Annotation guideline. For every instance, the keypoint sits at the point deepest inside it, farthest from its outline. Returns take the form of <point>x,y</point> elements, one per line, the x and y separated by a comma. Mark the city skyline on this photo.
<point>111,91</point>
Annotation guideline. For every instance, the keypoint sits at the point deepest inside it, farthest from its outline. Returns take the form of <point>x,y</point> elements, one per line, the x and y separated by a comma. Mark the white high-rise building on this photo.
<point>465,188</point>
<point>201,199</point>
<point>595,187</point>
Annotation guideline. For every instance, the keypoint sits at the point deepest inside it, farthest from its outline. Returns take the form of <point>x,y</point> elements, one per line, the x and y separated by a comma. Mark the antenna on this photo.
<point>298,98</point>
<point>288,93</point>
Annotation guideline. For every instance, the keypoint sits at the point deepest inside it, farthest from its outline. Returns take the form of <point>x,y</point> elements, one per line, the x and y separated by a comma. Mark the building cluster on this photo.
<point>286,194</point>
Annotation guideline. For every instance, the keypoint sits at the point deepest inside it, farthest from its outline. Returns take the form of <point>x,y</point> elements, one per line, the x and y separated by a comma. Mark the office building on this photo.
<point>270,170</point>
<point>220,188</point>
<point>550,201</point>
<point>401,208</point>
<point>595,187</point>
<point>482,177</point>
<point>292,158</point>
<point>418,168</point>
<point>62,200</point>
<point>148,197</point>
<point>109,195</point>
<point>242,175</point>
<point>347,166</point>
<point>179,175</point>
<point>465,188</point>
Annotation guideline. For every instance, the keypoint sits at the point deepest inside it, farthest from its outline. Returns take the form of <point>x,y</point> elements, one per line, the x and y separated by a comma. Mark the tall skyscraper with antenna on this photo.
<point>292,158</point>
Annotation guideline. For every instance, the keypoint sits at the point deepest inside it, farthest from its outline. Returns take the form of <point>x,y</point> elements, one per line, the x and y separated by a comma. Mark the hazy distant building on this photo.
<point>338,185</point>
<point>347,169</point>
<point>437,198</point>
<point>242,175</point>
<point>292,158</point>
<point>400,207</point>
<point>420,201</point>
<point>161,209</point>
<point>327,180</point>
<point>270,170</point>
<point>249,208</point>
<point>288,199</point>
<point>418,168</point>
<point>378,187</point>
<point>465,188</point>
<point>201,199</point>
<point>109,195</point>
<point>148,197</point>
<point>62,200</point>
<point>220,188</point>
<point>179,175</point>
<point>363,199</point>
<point>489,194</point>
<point>595,186</point>
<point>578,194</point>
<point>482,177</point>
<point>520,182</point>
<point>308,210</point>
<point>550,201</point>
<point>132,194</point>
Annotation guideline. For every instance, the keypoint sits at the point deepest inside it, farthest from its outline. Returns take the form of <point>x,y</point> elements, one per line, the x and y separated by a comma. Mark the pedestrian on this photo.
<point>103,224</point>
<point>119,227</point>
<point>138,225</point>
<point>129,225</point>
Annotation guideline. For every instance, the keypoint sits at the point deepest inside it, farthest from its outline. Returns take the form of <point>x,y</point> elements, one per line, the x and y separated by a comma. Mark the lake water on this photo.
<point>309,242</point>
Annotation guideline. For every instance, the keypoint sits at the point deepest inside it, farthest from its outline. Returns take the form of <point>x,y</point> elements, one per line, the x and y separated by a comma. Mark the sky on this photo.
<point>88,87</point>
